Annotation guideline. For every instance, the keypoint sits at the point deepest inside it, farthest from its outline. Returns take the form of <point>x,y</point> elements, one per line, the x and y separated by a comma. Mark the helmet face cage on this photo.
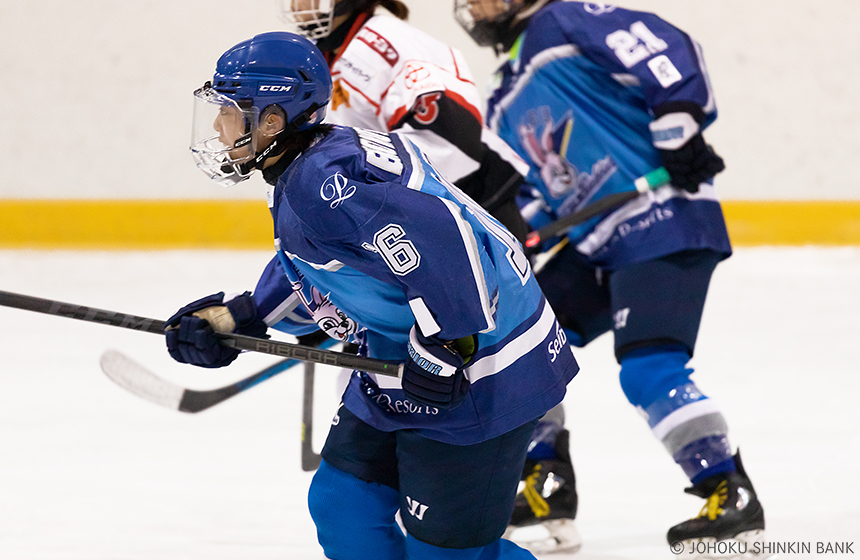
<point>222,136</point>
<point>463,15</point>
<point>311,18</point>
<point>486,29</point>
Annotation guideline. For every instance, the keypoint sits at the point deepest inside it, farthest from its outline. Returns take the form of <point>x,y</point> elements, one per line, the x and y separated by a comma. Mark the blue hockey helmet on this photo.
<point>273,73</point>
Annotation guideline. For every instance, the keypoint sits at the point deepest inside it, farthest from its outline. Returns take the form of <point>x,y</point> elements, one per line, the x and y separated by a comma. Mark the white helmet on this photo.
<point>313,18</point>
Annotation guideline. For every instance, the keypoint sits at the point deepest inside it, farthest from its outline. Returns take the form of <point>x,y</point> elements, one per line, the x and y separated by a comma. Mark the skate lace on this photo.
<point>533,496</point>
<point>714,504</point>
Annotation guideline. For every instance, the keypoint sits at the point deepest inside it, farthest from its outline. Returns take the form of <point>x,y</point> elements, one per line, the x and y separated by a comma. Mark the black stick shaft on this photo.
<point>609,202</point>
<point>310,354</point>
<point>81,313</point>
<point>241,342</point>
<point>648,182</point>
<point>310,459</point>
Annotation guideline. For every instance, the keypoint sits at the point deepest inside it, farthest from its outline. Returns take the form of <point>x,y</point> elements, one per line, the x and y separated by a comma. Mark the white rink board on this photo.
<point>106,86</point>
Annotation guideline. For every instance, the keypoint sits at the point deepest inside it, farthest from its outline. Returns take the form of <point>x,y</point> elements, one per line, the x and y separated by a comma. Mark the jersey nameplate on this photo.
<point>380,151</point>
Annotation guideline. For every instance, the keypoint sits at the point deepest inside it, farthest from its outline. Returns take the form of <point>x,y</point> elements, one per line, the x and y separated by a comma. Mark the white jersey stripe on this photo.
<point>416,177</point>
<point>505,357</point>
<point>683,414</point>
<point>285,311</point>
<point>471,246</point>
<point>514,350</point>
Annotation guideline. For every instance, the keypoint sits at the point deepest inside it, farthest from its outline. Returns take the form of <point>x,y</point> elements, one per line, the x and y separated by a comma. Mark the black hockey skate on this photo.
<point>728,526</point>
<point>546,504</point>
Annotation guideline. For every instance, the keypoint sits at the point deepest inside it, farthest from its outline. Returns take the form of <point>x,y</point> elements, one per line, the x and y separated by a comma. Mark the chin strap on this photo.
<point>279,144</point>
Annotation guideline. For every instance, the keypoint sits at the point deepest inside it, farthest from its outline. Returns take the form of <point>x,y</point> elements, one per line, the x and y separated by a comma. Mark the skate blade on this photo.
<point>556,535</point>
<point>748,545</point>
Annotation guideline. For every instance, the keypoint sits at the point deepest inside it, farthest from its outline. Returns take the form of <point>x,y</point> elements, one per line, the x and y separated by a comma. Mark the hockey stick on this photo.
<point>136,379</point>
<point>648,182</point>
<point>310,459</point>
<point>238,341</point>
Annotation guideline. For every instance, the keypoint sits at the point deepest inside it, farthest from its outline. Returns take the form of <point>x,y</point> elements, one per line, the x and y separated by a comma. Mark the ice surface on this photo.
<point>91,472</point>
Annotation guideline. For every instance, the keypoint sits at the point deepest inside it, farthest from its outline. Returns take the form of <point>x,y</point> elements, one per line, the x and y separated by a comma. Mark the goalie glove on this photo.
<point>190,332</point>
<point>676,134</point>
<point>433,374</point>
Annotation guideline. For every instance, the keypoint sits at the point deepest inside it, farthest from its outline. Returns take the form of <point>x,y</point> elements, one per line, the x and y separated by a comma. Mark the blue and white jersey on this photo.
<point>575,100</point>
<point>372,240</point>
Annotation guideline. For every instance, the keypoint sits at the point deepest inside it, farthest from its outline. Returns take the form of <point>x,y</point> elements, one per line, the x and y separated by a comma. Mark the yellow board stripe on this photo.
<point>753,223</point>
<point>135,224</point>
<point>246,224</point>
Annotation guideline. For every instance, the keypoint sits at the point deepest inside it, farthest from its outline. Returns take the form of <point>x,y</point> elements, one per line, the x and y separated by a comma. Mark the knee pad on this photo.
<point>500,550</point>
<point>354,517</point>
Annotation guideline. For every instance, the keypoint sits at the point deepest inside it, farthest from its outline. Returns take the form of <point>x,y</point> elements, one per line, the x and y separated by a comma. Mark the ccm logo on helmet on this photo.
<point>272,88</point>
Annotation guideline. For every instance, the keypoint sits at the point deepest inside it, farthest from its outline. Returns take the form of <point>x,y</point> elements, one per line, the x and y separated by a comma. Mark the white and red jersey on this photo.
<point>390,76</point>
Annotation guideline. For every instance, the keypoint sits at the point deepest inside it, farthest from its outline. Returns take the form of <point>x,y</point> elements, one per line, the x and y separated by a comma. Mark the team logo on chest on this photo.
<point>336,189</point>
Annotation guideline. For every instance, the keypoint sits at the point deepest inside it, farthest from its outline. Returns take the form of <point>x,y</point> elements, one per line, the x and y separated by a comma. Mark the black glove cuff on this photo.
<point>680,107</point>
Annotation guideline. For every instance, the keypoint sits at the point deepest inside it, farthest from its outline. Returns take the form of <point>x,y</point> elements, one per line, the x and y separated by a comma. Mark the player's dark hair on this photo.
<point>396,7</point>
<point>356,9</point>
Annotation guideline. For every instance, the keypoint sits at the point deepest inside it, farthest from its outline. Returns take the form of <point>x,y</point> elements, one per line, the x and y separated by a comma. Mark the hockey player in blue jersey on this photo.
<point>375,56</point>
<point>374,246</point>
<point>594,96</point>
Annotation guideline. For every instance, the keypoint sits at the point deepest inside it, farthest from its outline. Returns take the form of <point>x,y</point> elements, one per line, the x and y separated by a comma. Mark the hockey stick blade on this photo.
<point>648,182</point>
<point>136,379</point>
<point>238,341</point>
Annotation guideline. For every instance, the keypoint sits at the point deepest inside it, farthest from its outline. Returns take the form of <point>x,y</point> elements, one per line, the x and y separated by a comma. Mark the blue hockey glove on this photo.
<point>677,136</point>
<point>190,332</point>
<point>433,374</point>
